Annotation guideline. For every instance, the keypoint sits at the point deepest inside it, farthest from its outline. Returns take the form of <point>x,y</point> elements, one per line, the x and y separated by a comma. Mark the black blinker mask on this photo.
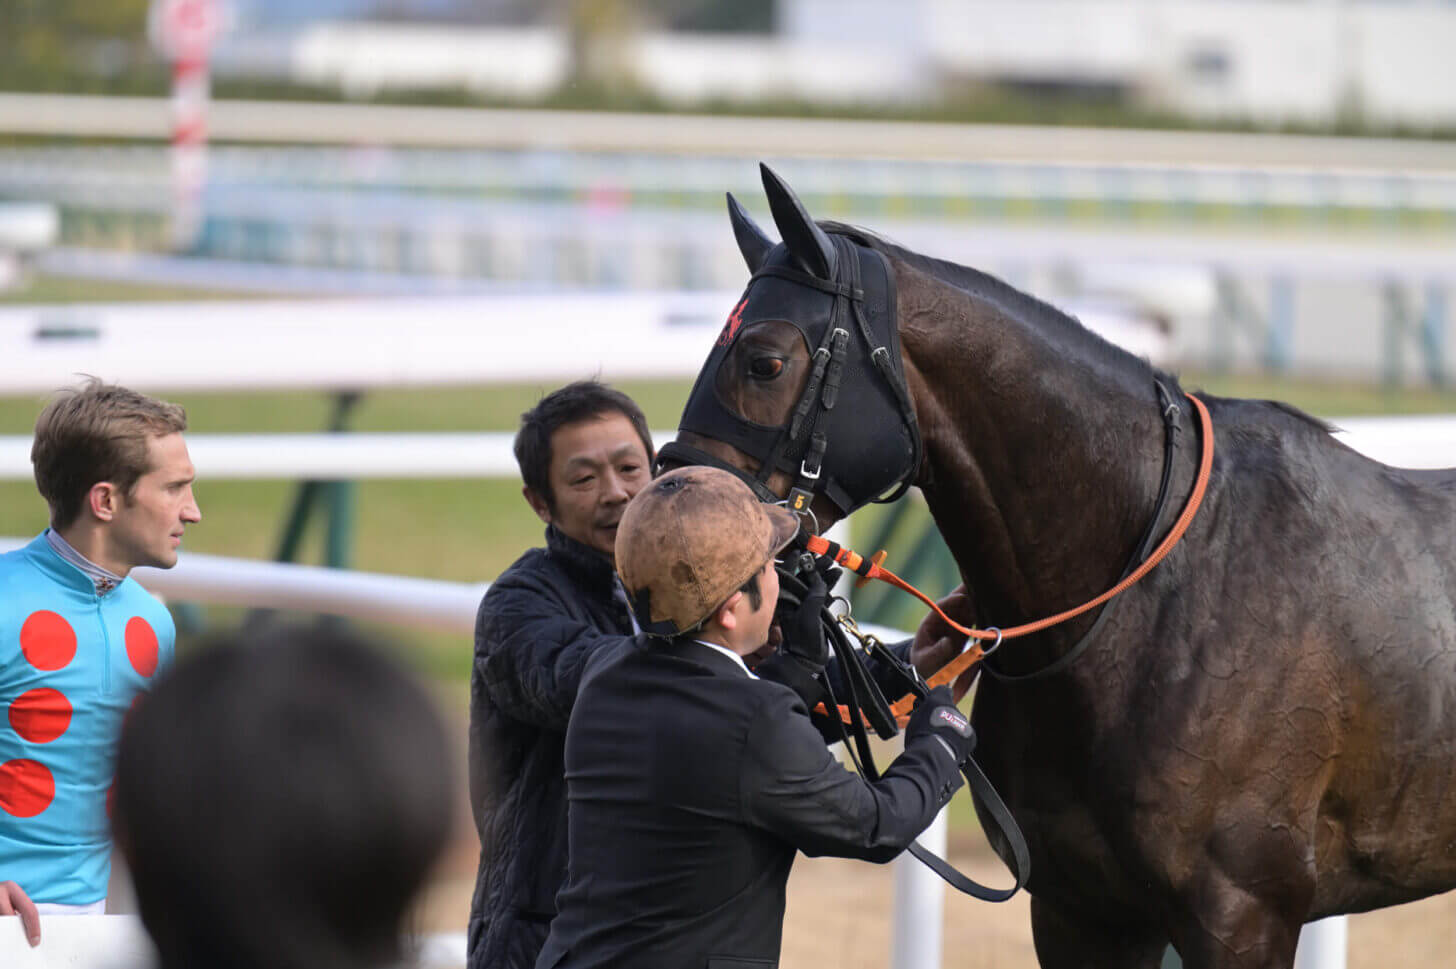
<point>851,436</point>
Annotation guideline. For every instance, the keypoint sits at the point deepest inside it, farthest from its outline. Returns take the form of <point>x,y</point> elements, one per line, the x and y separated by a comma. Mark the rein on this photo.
<point>872,569</point>
<point>864,705</point>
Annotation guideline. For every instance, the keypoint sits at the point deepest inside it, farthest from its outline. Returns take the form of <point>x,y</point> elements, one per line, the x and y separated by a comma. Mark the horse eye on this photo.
<point>765,368</point>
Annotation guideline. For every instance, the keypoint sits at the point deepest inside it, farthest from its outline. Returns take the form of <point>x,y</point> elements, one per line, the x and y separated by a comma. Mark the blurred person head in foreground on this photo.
<point>281,804</point>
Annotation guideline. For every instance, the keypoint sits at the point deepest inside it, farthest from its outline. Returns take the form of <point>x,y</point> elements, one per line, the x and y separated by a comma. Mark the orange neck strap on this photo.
<point>972,654</point>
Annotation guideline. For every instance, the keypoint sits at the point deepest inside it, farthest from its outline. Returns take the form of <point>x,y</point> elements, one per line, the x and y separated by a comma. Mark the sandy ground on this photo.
<point>839,911</point>
<point>839,915</point>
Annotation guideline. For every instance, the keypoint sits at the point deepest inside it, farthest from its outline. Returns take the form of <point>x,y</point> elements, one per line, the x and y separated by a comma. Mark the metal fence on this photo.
<point>450,212</point>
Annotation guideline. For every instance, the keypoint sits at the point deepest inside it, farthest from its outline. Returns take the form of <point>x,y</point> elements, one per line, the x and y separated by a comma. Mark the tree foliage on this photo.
<point>729,16</point>
<point>52,43</point>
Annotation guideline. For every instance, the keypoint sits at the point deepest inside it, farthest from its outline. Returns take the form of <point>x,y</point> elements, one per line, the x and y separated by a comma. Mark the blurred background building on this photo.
<point>1271,61</point>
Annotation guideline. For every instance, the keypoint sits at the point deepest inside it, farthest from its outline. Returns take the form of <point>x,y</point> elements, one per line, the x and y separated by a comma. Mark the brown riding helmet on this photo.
<point>689,540</point>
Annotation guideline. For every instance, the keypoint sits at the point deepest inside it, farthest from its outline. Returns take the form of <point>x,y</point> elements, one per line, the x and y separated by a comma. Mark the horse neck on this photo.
<point>1043,448</point>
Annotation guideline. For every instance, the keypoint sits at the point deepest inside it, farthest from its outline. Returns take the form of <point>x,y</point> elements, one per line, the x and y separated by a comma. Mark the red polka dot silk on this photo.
<point>141,646</point>
<point>26,787</point>
<point>47,640</point>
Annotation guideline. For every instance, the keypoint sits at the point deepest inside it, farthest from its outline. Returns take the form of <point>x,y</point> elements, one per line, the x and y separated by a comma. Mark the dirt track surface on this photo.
<point>839,911</point>
<point>839,916</point>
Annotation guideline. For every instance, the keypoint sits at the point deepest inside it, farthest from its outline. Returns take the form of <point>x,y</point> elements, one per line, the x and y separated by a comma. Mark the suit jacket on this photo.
<point>690,787</point>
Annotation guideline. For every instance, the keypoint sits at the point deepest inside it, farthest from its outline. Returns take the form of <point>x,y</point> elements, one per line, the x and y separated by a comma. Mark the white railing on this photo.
<point>329,456</point>
<point>702,136</point>
<point>1426,441</point>
<point>120,942</point>
<point>361,344</point>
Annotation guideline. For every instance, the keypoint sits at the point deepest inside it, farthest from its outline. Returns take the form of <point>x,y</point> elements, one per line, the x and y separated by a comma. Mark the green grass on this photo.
<point>40,288</point>
<point>1327,398</point>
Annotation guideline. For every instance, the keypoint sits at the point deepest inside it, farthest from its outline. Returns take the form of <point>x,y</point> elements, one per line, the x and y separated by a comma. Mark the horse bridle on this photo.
<point>856,354</point>
<point>854,294</point>
<point>801,448</point>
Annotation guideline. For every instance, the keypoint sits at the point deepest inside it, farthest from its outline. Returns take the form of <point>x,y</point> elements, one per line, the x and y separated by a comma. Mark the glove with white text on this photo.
<point>936,714</point>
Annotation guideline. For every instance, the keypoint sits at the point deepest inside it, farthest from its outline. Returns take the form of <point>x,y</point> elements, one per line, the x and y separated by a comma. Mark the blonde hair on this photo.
<point>96,432</point>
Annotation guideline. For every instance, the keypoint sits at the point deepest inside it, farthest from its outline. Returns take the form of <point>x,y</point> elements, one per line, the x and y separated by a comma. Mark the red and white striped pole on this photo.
<point>184,31</point>
<point>190,91</point>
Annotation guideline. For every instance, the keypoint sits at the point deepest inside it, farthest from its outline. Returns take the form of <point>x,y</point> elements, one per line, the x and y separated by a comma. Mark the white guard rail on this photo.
<point>120,942</point>
<point>703,136</point>
<point>1427,441</point>
<point>360,344</point>
<point>346,455</point>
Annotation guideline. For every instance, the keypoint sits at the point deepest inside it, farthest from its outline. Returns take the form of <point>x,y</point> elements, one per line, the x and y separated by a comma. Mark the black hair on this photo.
<point>281,804</point>
<point>577,401</point>
<point>753,592</point>
<point>751,589</point>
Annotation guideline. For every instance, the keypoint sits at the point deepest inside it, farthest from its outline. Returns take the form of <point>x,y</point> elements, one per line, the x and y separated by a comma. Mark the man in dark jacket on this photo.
<point>584,451</point>
<point>692,781</point>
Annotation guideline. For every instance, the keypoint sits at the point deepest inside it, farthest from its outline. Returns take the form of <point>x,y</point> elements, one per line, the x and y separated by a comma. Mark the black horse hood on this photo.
<point>851,436</point>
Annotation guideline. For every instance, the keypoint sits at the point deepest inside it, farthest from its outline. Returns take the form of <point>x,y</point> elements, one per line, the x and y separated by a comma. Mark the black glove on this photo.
<point>804,630</point>
<point>936,714</point>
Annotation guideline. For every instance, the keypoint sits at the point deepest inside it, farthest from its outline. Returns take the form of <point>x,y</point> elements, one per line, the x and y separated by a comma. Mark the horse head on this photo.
<point>851,368</point>
<point>804,394</point>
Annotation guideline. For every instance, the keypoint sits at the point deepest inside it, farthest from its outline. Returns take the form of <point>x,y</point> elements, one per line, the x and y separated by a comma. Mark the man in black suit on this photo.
<point>691,782</point>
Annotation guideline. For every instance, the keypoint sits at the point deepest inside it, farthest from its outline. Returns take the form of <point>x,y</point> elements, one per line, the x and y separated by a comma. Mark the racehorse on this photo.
<point>1260,733</point>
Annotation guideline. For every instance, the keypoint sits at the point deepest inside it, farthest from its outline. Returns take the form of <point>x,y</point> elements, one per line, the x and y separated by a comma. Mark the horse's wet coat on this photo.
<point>1263,731</point>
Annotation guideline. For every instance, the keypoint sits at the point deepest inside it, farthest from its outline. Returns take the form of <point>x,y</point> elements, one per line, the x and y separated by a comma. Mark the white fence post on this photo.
<point>915,935</point>
<point>1323,944</point>
<point>919,893</point>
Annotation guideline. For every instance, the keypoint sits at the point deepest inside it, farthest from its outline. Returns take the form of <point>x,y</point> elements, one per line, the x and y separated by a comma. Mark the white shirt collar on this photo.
<point>620,594</point>
<point>731,655</point>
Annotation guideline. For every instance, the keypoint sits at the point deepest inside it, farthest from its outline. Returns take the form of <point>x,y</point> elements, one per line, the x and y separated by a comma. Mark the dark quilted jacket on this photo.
<point>537,626</point>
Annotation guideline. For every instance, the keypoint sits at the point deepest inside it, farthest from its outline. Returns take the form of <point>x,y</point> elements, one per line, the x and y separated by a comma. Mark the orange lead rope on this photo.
<point>973,653</point>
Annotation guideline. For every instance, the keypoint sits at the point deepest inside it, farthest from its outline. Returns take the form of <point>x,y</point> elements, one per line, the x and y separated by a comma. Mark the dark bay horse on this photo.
<point>1260,733</point>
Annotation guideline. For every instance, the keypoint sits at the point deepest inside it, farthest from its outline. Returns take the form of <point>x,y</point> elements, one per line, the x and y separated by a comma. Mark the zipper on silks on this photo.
<point>105,651</point>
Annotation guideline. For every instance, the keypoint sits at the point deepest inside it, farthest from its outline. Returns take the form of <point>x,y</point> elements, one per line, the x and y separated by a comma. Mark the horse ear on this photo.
<point>751,239</point>
<point>805,239</point>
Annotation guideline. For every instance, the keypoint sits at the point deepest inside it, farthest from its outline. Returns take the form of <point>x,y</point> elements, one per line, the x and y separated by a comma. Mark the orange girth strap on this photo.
<point>872,569</point>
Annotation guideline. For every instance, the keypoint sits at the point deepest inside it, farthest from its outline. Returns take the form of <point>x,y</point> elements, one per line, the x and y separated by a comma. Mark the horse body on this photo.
<point>1262,731</point>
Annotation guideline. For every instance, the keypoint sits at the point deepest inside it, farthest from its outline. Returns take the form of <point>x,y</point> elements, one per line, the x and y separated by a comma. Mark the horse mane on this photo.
<point>983,285</point>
